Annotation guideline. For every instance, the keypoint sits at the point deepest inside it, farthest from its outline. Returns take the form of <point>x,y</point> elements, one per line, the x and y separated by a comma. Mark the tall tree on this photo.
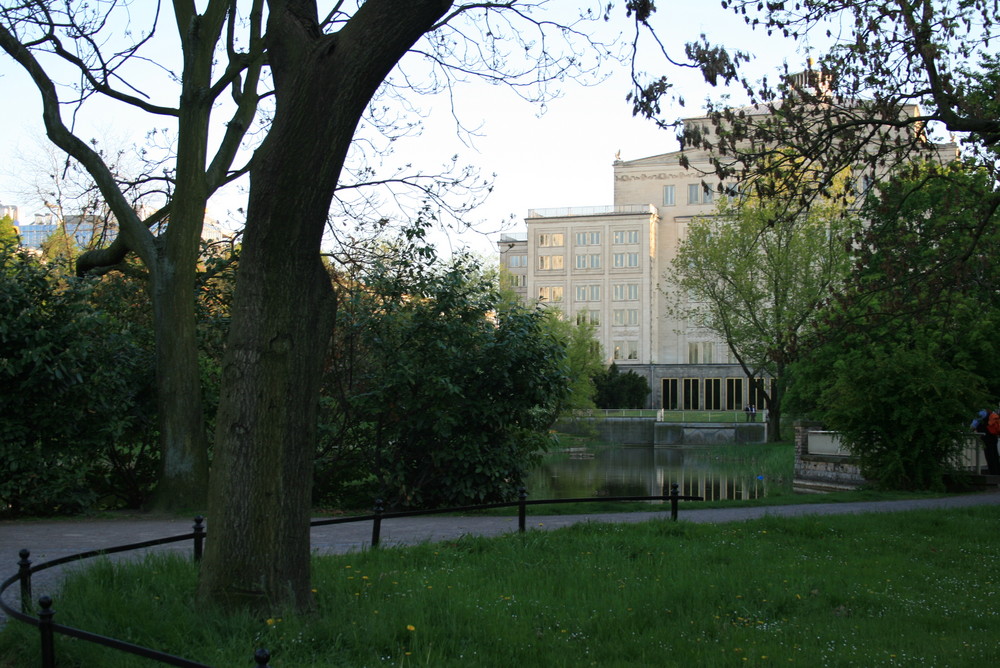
<point>8,232</point>
<point>903,356</point>
<point>856,105</point>
<point>42,35</point>
<point>754,277</point>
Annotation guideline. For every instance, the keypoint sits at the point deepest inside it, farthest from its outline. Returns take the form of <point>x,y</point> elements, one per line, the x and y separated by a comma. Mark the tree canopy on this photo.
<point>902,358</point>
<point>754,277</point>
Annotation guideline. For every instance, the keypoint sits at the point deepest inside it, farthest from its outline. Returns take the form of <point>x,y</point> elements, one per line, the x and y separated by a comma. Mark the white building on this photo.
<point>606,264</point>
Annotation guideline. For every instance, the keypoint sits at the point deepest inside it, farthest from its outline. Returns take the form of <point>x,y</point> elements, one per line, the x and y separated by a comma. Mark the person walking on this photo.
<point>981,425</point>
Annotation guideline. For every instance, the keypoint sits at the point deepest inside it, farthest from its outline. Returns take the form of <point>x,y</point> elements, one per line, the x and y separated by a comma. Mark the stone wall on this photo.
<point>821,472</point>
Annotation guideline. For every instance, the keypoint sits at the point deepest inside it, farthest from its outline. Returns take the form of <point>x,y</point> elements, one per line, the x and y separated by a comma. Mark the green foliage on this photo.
<point>620,390</point>
<point>74,389</point>
<point>906,352</point>
<point>584,359</point>
<point>8,233</point>
<point>754,277</point>
<point>433,395</point>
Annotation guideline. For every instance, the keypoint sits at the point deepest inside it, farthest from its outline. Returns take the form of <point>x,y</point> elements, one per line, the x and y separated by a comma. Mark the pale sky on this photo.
<point>561,158</point>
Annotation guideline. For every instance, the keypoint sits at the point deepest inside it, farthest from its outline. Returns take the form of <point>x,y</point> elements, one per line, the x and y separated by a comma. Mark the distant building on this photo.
<point>604,265</point>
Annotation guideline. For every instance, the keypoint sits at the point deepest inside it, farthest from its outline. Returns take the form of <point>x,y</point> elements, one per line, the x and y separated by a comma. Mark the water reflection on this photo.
<point>626,470</point>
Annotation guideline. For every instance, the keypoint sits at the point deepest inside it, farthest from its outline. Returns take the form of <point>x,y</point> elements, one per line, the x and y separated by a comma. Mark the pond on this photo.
<point>582,468</point>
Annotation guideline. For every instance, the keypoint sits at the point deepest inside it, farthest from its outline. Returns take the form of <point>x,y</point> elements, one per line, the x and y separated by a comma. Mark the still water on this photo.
<point>712,472</point>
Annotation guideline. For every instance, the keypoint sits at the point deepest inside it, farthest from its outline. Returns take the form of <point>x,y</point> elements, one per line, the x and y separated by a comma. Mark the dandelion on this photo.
<point>411,627</point>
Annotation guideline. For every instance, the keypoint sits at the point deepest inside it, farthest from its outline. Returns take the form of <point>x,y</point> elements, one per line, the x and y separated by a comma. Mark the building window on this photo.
<point>707,196</point>
<point>591,293</point>
<point>713,394</point>
<point>625,292</point>
<point>553,293</point>
<point>734,394</point>
<point>517,280</point>
<point>633,259</point>
<point>588,317</point>
<point>581,261</point>
<point>694,193</point>
<point>701,352</point>
<point>595,317</point>
<point>626,237</point>
<point>550,262</point>
<point>619,260</point>
<point>622,317</point>
<point>595,261</point>
<point>517,260</point>
<point>691,394</point>
<point>550,239</point>
<point>591,261</point>
<point>626,350</point>
<point>588,238</point>
<point>669,196</point>
<point>669,393</point>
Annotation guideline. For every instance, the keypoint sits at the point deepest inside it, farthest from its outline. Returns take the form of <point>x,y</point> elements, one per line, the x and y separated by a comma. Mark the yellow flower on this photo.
<point>411,627</point>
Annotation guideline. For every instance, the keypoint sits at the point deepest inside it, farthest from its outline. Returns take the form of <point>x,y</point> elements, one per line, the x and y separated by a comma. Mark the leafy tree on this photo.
<point>75,390</point>
<point>754,277</point>
<point>855,106</point>
<point>444,403</point>
<point>620,390</point>
<point>8,232</point>
<point>325,73</point>
<point>903,357</point>
<point>584,358</point>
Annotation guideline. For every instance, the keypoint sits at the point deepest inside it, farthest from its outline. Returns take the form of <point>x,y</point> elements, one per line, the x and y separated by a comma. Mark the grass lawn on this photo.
<point>897,589</point>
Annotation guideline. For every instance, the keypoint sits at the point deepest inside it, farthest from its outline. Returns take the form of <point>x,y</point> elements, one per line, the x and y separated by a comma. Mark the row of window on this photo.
<point>620,292</point>
<point>711,395</point>
<point>587,261</point>
<point>593,238</point>
<point>620,317</point>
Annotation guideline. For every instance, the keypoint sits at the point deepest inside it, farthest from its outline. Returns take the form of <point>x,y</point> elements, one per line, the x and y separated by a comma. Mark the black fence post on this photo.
<point>522,508</point>
<point>199,537</point>
<point>261,657</point>
<point>674,493</point>
<point>377,523</point>
<point>45,629</point>
<point>24,573</point>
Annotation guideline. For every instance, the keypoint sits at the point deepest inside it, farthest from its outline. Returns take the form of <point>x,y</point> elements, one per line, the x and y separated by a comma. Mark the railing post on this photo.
<point>199,537</point>
<point>674,493</point>
<point>261,657</point>
<point>377,523</point>
<point>522,508</point>
<point>24,573</point>
<point>45,630</point>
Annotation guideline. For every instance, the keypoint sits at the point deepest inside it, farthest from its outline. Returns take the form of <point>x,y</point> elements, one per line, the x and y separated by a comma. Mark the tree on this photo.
<point>38,33</point>
<point>902,358</point>
<point>8,232</point>
<point>283,306</point>
<point>325,73</point>
<point>447,396</point>
<point>620,390</point>
<point>856,105</point>
<point>754,277</point>
<point>74,386</point>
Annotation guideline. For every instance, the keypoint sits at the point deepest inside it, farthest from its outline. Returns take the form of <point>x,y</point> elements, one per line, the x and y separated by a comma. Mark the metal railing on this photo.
<point>48,629</point>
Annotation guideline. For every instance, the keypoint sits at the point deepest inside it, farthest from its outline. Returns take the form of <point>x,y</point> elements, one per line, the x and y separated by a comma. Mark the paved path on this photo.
<point>52,539</point>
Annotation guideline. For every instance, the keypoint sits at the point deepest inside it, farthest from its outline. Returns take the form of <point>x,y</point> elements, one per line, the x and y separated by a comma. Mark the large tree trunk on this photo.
<point>259,504</point>
<point>183,478</point>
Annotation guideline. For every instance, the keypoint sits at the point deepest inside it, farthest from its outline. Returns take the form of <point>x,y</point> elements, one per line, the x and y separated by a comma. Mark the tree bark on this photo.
<point>259,505</point>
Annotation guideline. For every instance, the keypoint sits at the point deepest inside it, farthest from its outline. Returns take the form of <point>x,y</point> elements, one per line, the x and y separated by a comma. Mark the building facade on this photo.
<point>606,265</point>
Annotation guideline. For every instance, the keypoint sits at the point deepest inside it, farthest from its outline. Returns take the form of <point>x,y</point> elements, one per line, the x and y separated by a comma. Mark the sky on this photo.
<point>559,156</point>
